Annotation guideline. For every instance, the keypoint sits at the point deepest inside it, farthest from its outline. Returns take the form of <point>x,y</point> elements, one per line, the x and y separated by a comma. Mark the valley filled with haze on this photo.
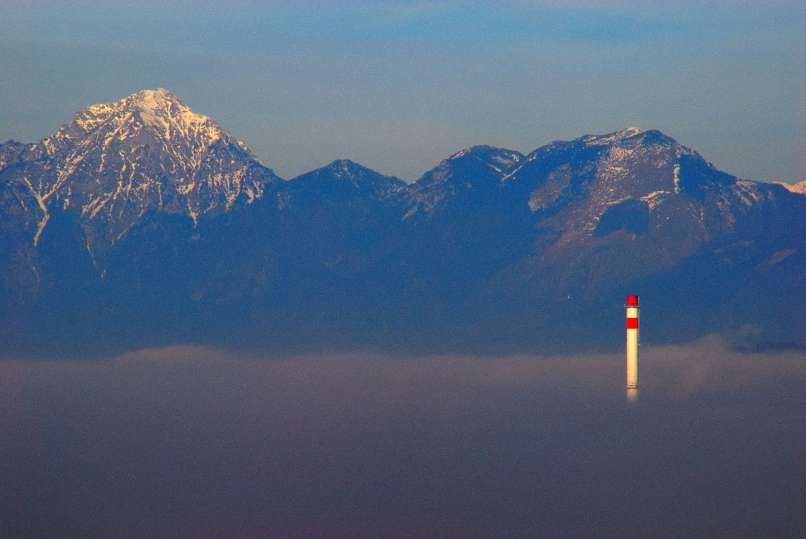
<point>190,441</point>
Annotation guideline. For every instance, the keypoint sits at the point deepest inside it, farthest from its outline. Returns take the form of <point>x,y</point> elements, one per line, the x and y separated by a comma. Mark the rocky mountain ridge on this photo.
<point>797,187</point>
<point>151,223</point>
<point>115,162</point>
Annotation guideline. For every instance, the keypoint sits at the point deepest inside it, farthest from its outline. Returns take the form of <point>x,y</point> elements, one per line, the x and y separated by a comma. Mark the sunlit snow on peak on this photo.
<point>610,138</point>
<point>158,110</point>
<point>147,151</point>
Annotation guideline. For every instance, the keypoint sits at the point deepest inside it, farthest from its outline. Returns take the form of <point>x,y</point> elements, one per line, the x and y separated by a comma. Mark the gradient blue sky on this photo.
<point>400,85</point>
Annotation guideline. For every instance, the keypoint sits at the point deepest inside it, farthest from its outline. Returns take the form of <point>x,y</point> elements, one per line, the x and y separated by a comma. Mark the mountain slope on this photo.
<point>470,176</point>
<point>635,210</point>
<point>620,192</point>
<point>113,163</point>
<point>143,223</point>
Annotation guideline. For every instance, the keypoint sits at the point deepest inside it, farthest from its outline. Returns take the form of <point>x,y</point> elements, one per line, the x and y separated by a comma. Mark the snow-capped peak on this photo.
<point>345,169</point>
<point>611,138</point>
<point>151,97</point>
<point>148,151</point>
<point>158,107</point>
<point>630,131</point>
<point>158,110</point>
<point>799,187</point>
<point>500,155</point>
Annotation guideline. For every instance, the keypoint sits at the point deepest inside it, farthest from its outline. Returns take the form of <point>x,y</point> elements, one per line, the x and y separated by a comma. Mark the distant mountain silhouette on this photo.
<point>141,223</point>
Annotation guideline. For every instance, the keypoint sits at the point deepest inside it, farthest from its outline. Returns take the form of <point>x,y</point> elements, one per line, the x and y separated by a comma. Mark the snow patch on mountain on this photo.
<point>655,198</point>
<point>115,162</point>
<point>748,192</point>
<point>611,138</point>
<point>798,188</point>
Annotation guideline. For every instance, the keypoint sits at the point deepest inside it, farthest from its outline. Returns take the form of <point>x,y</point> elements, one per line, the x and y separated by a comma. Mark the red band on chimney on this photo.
<point>632,323</point>
<point>632,301</point>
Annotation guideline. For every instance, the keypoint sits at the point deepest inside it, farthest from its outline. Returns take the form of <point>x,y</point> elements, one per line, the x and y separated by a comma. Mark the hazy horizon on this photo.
<point>190,441</point>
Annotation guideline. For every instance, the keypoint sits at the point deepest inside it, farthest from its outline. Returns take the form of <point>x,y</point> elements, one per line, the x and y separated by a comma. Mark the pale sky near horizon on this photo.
<point>398,86</point>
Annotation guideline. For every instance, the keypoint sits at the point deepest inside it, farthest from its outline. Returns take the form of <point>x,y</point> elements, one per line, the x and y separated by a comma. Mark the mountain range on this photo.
<point>142,223</point>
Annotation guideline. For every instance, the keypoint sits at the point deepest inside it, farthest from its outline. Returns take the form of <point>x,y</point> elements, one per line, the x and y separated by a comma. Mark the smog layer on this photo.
<point>190,441</point>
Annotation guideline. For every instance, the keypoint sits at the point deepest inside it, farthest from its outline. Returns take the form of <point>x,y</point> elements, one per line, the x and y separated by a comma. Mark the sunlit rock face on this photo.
<point>799,187</point>
<point>114,163</point>
<point>158,226</point>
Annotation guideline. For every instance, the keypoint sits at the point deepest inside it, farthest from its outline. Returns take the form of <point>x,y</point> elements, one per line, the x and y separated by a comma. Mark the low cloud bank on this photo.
<point>198,442</point>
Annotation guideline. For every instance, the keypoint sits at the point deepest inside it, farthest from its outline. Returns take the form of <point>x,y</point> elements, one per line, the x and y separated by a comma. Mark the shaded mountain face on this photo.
<point>469,177</point>
<point>339,217</point>
<point>344,178</point>
<point>462,225</point>
<point>142,222</point>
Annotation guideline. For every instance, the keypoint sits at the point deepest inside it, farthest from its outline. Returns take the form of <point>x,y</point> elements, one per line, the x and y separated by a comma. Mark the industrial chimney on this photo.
<point>632,347</point>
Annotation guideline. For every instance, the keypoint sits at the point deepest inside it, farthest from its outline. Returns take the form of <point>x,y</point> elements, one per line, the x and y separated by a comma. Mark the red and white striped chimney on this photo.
<point>632,342</point>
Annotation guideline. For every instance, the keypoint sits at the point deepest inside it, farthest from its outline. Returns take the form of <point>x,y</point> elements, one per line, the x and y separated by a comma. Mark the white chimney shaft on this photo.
<point>632,344</point>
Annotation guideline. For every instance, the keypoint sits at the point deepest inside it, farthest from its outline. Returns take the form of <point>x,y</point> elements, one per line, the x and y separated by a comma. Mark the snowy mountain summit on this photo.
<point>158,111</point>
<point>798,188</point>
<point>115,162</point>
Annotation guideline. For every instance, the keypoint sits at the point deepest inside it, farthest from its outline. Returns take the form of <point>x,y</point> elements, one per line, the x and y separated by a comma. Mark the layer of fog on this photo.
<point>189,441</point>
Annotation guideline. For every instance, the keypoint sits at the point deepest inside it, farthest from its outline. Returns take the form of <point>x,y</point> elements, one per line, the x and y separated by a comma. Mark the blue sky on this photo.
<point>400,85</point>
